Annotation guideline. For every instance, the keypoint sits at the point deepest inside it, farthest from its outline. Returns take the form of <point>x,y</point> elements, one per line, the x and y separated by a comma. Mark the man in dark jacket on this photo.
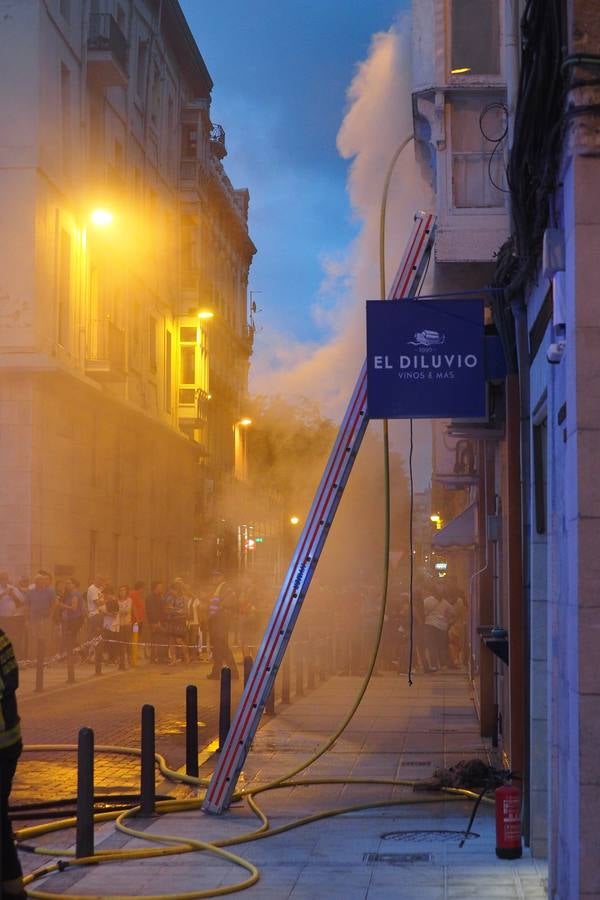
<point>11,874</point>
<point>221,607</point>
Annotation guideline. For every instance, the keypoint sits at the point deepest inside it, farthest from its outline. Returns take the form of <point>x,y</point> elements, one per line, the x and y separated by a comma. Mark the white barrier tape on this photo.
<point>58,657</point>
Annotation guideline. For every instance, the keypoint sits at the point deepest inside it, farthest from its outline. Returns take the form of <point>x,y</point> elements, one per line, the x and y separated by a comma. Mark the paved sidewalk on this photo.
<point>399,733</point>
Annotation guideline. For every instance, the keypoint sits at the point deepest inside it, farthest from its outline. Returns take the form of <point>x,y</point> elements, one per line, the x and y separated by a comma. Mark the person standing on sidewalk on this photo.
<point>220,608</point>
<point>154,606</point>
<point>125,625</point>
<point>11,874</point>
<point>439,615</point>
<point>39,603</point>
<point>95,606</point>
<point>138,612</point>
<point>12,613</point>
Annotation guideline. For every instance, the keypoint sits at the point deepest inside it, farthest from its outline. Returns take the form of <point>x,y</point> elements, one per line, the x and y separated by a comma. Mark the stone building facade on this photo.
<point>118,227</point>
<point>539,477</point>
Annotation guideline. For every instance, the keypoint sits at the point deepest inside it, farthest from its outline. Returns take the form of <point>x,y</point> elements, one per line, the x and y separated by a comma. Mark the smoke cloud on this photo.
<point>377,119</point>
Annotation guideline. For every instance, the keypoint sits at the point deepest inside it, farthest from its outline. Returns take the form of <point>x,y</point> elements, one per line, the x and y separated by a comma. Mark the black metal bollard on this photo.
<point>84,840</point>
<point>39,667</point>
<point>248,663</point>
<point>299,656</point>
<point>191,730</point>
<point>224,706</point>
<point>147,783</point>
<point>285,680</point>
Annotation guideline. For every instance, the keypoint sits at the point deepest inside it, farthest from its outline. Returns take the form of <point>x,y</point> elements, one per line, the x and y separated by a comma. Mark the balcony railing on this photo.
<point>217,141</point>
<point>107,360</point>
<point>107,44</point>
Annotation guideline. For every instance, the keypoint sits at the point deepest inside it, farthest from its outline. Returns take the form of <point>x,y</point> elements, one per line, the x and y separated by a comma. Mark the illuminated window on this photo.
<point>475,41</point>
<point>193,364</point>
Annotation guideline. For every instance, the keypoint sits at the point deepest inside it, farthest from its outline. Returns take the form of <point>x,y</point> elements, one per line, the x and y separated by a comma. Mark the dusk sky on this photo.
<point>282,72</point>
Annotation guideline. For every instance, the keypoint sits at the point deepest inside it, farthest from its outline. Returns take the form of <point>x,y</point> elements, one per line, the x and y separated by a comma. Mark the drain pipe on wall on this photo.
<point>520,316</point>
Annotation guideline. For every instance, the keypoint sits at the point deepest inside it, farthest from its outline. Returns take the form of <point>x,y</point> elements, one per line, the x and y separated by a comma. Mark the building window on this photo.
<point>152,356</point>
<point>155,95</point>
<point>540,475</point>
<point>477,163</point>
<point>189,142</point>
<point>64,286</point>
<point>475,37</point>
<point>168,371</point>
<point>65,117</point>
<point>142,61</point>
<point>193,366</point>
<point>121,18</point>
<point>135,337</point>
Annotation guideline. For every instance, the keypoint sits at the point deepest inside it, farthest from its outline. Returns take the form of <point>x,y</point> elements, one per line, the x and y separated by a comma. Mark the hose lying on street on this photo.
<point>177,844</point>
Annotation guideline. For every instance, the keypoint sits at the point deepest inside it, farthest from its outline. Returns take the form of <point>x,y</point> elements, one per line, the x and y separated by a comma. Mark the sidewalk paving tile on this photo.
<point>346,857</point>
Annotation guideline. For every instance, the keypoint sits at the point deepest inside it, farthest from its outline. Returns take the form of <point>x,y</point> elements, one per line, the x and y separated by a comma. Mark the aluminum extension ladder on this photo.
<point>308,549</point>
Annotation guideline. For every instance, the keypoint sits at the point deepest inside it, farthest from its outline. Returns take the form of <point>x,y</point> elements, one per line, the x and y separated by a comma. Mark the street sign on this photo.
<point>425,359</point>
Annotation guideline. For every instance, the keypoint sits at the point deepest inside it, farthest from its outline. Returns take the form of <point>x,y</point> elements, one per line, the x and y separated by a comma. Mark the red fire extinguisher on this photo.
<point>508,822</point>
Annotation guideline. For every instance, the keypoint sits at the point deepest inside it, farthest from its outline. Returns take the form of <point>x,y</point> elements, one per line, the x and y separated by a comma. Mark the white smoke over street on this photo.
<point>377,119</point>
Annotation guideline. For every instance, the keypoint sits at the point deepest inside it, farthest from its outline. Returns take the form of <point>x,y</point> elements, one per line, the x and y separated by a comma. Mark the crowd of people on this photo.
<point>439,619</point>
<point>175,622</point>
<point>172,622</point>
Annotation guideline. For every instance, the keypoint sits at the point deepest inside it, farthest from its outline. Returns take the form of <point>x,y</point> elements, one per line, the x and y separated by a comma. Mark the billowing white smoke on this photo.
<point>377,120</point>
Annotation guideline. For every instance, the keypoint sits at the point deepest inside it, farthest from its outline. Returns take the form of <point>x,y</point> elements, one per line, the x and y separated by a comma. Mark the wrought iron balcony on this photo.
<point>217,141</point>
<point>107,51</point>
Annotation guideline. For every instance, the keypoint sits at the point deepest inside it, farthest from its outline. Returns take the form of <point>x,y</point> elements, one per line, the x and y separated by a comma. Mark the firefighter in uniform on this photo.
<point>11,874</point>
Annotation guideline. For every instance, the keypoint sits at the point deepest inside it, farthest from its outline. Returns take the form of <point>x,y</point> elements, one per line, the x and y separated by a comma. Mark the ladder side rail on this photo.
<point>308,549</point>
<point>287,625</point>
<point>413,262</point>
<point>256,691</point>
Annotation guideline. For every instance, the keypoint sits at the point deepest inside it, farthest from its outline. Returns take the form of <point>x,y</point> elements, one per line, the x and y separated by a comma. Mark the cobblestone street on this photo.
<point>110,704</point>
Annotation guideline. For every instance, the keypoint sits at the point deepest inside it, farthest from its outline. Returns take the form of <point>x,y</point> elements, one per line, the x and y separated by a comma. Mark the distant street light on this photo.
<point>206,314</point>
<point>101,217</point>
<point>245,422</point>
<point>294,520</point>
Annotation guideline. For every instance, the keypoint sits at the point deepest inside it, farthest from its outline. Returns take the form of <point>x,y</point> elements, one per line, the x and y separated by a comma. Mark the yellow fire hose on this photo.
<point>178,844</point>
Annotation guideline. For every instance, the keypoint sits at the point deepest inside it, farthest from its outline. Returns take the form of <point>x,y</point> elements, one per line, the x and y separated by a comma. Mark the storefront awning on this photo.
<point>460,533</point>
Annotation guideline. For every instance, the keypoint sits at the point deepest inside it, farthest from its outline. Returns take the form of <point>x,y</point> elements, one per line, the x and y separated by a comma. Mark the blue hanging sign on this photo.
<point>425,359</point>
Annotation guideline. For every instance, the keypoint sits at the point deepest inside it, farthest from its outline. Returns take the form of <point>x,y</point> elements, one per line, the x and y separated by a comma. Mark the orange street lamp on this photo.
<point>294,520</point>
<point>101,217</point>
<point>245,422</point>
<point>206,314</point>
